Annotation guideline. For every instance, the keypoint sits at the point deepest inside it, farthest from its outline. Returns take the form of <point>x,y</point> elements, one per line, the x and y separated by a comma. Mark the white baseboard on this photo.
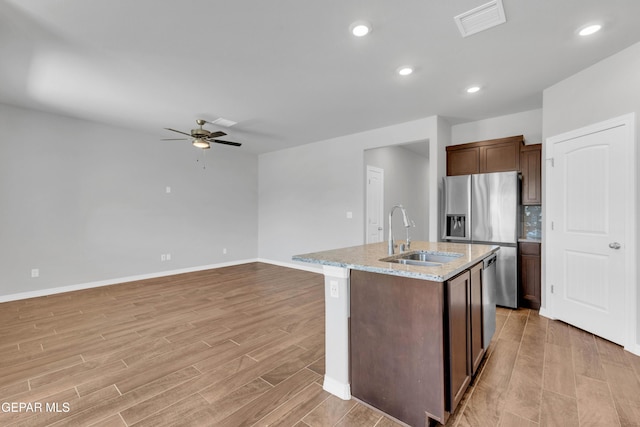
<point>108,282</point>
<point>633,348</point>
<point>337,388</point>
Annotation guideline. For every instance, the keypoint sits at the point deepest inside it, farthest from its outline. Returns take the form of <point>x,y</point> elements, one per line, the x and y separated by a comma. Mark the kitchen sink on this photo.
<point>423,258</point>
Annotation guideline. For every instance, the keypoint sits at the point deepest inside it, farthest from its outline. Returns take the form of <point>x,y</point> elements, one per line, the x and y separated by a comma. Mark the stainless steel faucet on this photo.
<point>407,224</point>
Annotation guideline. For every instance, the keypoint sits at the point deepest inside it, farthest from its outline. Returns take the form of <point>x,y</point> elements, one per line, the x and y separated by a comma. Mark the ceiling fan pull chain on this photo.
<point>204,163</point>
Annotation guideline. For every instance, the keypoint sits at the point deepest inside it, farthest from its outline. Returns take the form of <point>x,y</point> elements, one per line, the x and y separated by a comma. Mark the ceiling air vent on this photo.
<point>481,18</point>
<point>224,122</point>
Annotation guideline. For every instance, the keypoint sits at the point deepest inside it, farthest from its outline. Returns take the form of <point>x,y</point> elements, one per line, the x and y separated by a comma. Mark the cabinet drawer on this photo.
<point>530,248</point>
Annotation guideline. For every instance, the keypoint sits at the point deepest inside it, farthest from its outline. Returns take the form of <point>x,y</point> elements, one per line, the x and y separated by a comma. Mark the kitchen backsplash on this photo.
<point>532,222</point>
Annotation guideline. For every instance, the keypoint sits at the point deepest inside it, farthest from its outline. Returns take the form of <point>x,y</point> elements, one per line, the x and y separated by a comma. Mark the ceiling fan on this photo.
<point>202,137</point>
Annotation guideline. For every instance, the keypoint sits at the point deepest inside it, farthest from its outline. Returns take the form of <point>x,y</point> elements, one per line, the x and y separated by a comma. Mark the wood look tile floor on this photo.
<point>244,345</point>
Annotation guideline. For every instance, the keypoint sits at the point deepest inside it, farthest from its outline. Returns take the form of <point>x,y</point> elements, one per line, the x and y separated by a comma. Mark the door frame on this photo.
<point>366,202</point>
<point>631,343</point>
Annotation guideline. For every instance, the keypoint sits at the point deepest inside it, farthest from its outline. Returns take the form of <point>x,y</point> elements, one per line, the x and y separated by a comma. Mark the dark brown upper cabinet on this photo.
<point>493,155</point>
<point>531,168</point>
<point>464,161</point>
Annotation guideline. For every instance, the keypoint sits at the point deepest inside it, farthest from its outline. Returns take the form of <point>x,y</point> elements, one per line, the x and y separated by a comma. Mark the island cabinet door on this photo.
<point>475,317</point>
<point>458,338</point>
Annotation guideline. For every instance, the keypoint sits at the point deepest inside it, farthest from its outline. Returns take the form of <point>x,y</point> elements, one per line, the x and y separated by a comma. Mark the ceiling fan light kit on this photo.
<point>201,143</point>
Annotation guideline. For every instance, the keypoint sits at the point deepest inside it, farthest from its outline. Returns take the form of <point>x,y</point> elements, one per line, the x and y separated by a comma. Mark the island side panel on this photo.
<point>336,298</point>
<point>397,345</point>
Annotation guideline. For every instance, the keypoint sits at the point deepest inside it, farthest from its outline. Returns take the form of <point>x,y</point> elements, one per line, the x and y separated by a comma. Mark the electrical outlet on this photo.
<point>333,289</point>
<point>224,251</point>
<point>167,189</point>
<point>35,272</point>
<point>349,215</point>
<point>163,257</point>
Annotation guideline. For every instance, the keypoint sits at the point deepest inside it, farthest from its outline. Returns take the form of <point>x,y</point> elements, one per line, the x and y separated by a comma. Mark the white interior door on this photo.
<point>590,186</point>
<point>375,205</point>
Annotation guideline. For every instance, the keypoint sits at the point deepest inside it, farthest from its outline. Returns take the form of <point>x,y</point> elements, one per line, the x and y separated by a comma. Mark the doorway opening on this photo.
<point>405,182</point>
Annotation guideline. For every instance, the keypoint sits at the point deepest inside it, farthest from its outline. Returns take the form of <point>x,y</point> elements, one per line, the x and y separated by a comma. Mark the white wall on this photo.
<point>306,191</point>
<point>406,182</point>
<point>527,123</point>
<point>608,89</point>
<point>85,203</point>
<point>436,199</point>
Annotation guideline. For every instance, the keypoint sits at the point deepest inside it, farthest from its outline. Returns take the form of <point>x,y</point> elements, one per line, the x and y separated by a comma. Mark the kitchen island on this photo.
<point>403,338</point>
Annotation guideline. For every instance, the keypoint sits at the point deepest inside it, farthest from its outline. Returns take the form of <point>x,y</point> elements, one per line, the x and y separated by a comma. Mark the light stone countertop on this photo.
<point>367,258</point>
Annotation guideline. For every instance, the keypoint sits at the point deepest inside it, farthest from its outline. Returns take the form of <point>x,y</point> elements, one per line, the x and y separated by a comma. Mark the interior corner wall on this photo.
<point>406,183</point>
<point>608,89</point>
<point>527,123</point>
<point>85,203</point>
<point>305,192</point>
<point>438,156</point>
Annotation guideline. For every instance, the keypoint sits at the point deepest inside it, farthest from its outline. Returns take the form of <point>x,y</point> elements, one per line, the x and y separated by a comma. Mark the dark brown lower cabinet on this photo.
<point>530,282</point>
<point>458,319</point>
<point>465,330</point>
<point>414,344</point>
<point>476,325</point>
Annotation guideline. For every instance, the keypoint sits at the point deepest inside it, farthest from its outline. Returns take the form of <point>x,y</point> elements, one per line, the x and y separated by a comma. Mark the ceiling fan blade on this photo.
<point>235,144</point>
<point>174,139</point>
<point>216,134</point>
<point>179,131</point>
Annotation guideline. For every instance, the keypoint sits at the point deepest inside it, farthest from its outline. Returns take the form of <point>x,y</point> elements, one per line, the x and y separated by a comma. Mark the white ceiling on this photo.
<point>288,71</point>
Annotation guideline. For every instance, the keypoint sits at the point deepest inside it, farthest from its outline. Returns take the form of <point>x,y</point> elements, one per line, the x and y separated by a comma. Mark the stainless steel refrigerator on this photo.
<point>484,208</point>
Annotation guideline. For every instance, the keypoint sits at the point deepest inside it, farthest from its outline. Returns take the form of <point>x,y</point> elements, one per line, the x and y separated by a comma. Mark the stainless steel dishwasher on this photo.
<point>489,299</point>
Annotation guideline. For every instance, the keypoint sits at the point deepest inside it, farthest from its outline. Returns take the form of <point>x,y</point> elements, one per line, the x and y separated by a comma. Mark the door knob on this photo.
<point>615,245</point>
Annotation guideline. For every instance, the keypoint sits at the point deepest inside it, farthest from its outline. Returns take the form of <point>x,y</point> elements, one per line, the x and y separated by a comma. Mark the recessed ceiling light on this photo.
<point>590,29</point>
<point>473,89</point>
<point>360,28</point>
<point>405,70</point>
